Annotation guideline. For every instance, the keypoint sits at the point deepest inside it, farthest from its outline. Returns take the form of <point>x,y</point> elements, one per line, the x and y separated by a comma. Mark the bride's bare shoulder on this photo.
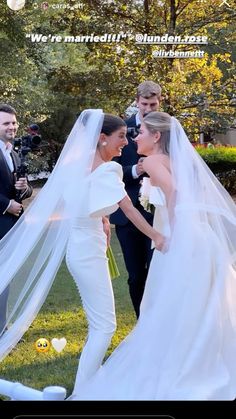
<point>156,161</point>
<point>158,168</point>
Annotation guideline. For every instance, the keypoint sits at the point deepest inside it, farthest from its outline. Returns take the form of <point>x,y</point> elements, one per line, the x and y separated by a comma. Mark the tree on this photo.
<point>200,91</point>
<point>66,77</point>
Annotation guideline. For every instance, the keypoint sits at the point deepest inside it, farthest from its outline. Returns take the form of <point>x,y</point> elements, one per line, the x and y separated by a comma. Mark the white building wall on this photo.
<point>228,138</point>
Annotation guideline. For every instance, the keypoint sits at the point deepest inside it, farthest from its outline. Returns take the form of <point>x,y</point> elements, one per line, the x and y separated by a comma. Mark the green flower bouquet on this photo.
<point>113,268</point>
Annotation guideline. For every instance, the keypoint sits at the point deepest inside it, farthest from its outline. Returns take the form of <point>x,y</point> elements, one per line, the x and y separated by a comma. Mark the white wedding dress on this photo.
<point>183,346</point>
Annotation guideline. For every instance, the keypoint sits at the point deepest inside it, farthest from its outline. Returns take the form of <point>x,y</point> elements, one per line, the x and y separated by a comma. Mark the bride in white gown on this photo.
<point>103,191</point>
<point>184,344</point>
<point>66,218</point>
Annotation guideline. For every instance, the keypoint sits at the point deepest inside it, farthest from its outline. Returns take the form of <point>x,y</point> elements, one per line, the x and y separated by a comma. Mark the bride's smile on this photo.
<point>112,145</point>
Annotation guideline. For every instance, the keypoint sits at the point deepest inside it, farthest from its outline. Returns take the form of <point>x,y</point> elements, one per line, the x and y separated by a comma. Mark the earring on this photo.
<point>104,143</point>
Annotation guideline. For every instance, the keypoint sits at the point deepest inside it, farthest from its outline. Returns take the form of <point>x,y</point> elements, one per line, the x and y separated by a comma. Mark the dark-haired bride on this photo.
<point>67,218</point>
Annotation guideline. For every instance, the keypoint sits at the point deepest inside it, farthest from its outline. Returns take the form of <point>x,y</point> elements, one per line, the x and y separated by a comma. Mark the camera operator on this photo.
<point>136,247</point>
<point>12,190</point>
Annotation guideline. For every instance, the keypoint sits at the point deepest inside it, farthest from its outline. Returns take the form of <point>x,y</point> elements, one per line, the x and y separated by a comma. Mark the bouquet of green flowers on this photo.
<point>113,268</point>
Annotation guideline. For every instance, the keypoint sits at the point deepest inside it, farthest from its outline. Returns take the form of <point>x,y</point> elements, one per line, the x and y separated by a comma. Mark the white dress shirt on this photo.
<point>6,150</point>
<point>134,171</point>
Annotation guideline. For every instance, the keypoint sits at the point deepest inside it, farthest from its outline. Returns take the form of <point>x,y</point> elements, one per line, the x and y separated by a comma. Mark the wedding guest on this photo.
<point>11,207</point>
<point>136,246</point>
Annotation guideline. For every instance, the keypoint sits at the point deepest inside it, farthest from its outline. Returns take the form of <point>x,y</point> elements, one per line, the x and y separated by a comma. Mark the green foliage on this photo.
<point>222,161</point>
<point>228,180</point>
<point>38,163</point>
<point>219,158</point>
<point>51,82</point>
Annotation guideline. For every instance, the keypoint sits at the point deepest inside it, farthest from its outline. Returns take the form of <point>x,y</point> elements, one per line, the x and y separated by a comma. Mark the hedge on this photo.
<point>222,161</point>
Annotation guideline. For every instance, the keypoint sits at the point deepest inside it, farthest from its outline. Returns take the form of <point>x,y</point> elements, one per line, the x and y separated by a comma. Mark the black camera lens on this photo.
<point>36,139</point>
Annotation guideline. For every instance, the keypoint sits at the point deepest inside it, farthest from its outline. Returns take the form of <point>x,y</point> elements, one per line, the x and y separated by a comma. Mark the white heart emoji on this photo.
<point>59,344</point>
<point>15,4</point>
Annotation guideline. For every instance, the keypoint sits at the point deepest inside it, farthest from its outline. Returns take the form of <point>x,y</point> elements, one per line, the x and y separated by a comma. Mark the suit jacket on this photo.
<point>8,192</point>
<point>128,158</point>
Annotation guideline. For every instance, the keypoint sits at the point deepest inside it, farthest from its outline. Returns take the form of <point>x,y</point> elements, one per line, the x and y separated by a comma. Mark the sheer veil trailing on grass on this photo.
<point>201,200</point>
<point>184,343</point>
<point>32,251</point>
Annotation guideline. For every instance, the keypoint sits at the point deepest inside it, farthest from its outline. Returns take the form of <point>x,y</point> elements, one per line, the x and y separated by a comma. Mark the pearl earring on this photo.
<point>104,143</point>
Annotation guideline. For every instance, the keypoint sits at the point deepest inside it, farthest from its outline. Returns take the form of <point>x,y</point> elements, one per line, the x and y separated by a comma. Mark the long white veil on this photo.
<point>32,251</point>
<point>197,189</point>
<point>183,345</point>
<point>201,200</point>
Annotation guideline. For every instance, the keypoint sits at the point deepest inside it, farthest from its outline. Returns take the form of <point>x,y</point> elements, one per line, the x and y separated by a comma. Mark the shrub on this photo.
<point>218,158</point>
<point>228,180</point>
<point>222,161</point>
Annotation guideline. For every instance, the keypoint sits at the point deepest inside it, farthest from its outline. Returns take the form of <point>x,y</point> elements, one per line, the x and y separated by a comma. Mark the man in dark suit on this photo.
<point>136,247</point>
<point>12,191</point>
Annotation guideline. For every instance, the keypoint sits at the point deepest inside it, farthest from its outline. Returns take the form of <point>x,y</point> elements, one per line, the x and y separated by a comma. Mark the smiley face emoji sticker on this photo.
<point>42,345</point>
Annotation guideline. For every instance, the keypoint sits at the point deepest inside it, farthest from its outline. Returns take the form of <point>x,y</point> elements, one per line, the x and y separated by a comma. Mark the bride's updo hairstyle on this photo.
<point>111,123</point>
<point>159,122</point>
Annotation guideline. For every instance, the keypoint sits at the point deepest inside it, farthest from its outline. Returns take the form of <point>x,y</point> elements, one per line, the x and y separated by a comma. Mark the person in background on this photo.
<point>11,207</point>
<point>136,247</point>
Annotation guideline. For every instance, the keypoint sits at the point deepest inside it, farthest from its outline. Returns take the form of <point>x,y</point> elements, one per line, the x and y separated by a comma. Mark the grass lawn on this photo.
<point>62,316</point>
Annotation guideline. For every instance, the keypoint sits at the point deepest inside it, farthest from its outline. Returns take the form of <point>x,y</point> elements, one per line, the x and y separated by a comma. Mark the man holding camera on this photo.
<point>12,190</point>
<point>136,247</point>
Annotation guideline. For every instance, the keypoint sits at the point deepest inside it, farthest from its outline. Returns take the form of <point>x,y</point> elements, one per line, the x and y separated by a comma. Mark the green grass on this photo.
<point>62,316</point>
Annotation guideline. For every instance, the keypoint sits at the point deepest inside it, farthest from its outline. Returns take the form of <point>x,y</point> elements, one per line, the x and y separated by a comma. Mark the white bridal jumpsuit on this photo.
<point>87,262</point>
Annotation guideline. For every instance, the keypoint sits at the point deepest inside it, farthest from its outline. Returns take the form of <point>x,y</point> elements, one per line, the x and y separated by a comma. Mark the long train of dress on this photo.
<point>183,346</point>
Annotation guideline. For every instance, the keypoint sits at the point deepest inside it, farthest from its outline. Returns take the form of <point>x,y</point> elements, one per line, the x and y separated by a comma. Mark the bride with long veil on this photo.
<point>184,344</point>
<point>66,218</point>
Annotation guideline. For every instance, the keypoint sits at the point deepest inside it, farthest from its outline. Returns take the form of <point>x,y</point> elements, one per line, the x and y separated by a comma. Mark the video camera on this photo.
<point>133,132</point>
<point>24,145</point>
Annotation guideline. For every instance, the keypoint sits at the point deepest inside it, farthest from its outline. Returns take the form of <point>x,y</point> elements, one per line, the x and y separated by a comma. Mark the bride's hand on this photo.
<point>107,229</point>
<point>160,242</point>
